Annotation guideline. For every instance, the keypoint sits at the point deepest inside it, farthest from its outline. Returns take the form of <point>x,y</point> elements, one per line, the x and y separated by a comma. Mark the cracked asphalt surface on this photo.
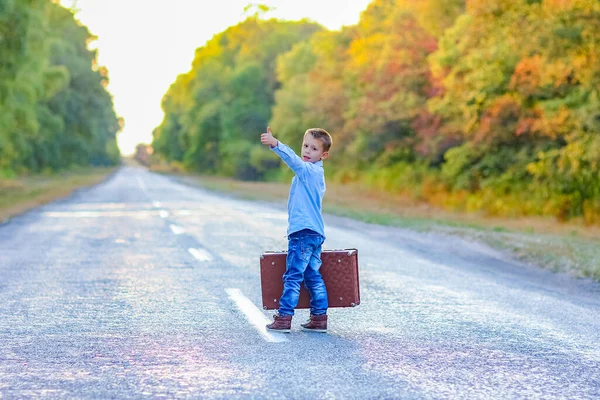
<point>120,291</point>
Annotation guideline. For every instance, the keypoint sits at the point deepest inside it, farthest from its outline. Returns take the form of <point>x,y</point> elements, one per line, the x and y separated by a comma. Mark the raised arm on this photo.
<point>284,152</point>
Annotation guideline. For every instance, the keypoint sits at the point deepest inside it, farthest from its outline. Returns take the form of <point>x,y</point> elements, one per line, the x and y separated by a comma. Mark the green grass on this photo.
<point>579,257</point>
<point>566,248</point>
<point>24,193</point>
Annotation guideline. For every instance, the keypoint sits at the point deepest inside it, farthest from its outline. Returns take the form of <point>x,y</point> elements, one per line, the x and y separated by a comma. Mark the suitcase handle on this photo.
<point>349,251</point>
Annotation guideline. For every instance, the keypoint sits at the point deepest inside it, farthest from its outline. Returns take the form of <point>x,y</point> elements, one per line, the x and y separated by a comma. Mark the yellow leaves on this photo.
<point>436,15</point>
<point>587,67</point>
<point>362,50</point>
<point>569,163</point>
<point>564,6</point>
<point>536,168</point>
<point>376,17</point>
<point>558,6</point>
<point>591,212</point>
<point>559,124</point>
<point>489,8</point>
<point>559,73</point>
<point>572,161</point>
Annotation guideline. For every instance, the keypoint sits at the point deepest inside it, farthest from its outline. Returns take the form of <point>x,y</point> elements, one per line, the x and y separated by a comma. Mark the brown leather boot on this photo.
<point>316,323</point>
<point>281,323</point>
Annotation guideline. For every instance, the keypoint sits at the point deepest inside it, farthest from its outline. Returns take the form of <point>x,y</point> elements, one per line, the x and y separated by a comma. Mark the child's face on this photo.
<point>312,149</point>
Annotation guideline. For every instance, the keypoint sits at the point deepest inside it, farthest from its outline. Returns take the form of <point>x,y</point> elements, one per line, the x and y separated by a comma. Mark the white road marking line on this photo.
<point>142,185</point>
<point>163,213</point>
<point>200,254</point>
<point>156,204</point>
<point>99,214</point>
<point>178,230</point>
<point>255,316</point>
<point>99,206</point>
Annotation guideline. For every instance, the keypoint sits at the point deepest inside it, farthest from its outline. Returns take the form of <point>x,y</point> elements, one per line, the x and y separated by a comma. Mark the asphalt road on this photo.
<point>144,287</point>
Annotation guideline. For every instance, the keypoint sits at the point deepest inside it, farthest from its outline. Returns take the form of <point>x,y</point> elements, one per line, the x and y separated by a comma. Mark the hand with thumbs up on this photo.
<point>268,139</point>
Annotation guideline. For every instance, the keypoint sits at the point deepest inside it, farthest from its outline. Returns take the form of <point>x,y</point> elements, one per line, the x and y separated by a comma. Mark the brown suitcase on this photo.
<point>339,271</point>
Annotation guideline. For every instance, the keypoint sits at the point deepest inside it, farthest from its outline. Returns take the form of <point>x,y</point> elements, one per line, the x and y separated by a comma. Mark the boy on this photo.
<point>305,229</point>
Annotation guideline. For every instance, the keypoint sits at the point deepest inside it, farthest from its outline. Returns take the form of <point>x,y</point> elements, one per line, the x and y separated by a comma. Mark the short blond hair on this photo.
<point>322,135</point>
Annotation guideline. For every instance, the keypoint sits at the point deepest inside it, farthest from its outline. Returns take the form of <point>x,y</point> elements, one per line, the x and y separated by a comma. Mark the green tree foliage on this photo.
<point>214,112</point>
<point>313,93</point>
<point>54,109</point>
<point>474,104</point>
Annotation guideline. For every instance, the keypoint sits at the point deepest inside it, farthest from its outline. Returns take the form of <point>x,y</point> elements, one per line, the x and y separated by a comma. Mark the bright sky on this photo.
<point>145,44</point>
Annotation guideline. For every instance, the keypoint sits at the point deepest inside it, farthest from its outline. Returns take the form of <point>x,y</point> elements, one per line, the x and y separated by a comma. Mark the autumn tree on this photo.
<point>521,86</point>
<point>214,112</point>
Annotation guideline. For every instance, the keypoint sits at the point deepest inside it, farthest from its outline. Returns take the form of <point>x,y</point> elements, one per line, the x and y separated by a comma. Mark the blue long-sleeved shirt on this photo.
<point>306,193</point>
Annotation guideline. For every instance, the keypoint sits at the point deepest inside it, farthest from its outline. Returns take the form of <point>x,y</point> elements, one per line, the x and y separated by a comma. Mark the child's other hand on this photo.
<point>268,139</point>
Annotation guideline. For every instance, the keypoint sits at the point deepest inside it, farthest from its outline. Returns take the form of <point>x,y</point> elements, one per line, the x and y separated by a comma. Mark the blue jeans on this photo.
<point>302,264</point>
